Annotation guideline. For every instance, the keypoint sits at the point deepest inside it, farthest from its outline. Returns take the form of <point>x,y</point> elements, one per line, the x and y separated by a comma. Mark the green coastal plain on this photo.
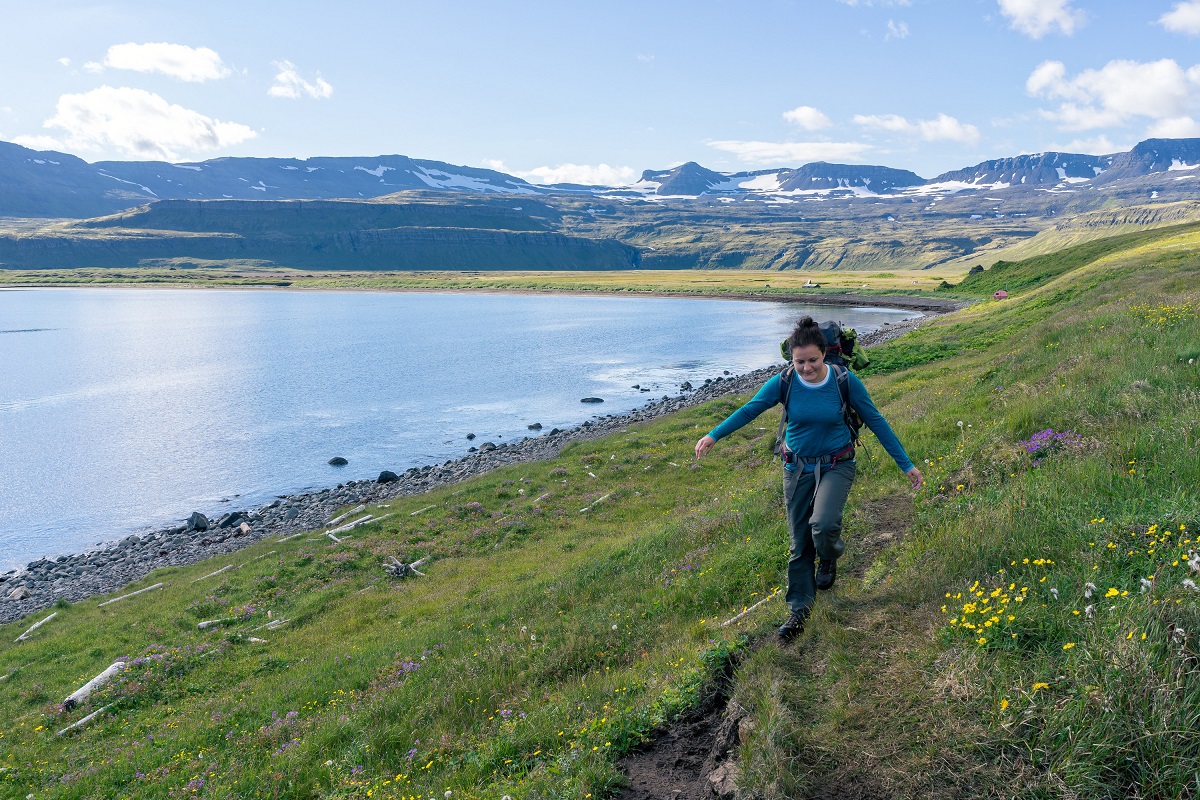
<point>1026,626</point>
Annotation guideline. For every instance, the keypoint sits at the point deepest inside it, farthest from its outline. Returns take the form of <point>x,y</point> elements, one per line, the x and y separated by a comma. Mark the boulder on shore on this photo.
<point>387,476</point>
<point>197,522</point>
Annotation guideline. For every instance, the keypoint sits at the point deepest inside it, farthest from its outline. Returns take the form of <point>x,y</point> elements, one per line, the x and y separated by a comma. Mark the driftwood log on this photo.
<point>349,513</point>
<point>34,627</point>
<point>211,574</point>
<point>85,720</point>
<point>398,569</point>
<point>85,691</point>
<point>131,594</point>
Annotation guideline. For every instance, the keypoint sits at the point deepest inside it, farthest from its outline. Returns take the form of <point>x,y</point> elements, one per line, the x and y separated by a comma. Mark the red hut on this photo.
<point>1001,295</point>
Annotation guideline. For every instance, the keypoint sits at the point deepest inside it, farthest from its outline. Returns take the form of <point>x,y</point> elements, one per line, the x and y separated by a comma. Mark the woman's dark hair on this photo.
<point>807,332</point>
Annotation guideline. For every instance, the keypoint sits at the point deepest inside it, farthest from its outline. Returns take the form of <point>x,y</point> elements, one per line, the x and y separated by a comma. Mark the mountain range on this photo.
<point>57,185</point>
<point>399,213</point>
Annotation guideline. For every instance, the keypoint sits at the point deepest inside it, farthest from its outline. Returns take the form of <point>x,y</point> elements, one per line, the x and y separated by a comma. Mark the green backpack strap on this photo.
<point>785,390</point>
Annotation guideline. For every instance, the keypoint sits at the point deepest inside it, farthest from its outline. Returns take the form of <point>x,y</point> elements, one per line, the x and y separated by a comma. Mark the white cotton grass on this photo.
<point>1088,588</point>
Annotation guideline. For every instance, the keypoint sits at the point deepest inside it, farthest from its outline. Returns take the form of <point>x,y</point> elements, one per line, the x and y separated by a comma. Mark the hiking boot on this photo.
<point>826,573</point>
<point>793,627</point>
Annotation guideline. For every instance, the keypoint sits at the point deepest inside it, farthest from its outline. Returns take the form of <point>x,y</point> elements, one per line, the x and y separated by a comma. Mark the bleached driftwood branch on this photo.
<point>34,627</point>
<point>85,720</point>
<point>355,524</point>
<point>398,569</point>
<point>350,525</point>
<point>212,623</point>
<point>82,694</point>
<point>131,594</point>
<point>349,513</point>
<point>293,536</point>
<point>421,510</point>
<point>593,505</point>
<point>746,611</point>
<point>218,572</point>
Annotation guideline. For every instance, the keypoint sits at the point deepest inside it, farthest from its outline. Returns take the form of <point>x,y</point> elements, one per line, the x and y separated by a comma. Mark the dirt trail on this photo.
<point>695,758</point>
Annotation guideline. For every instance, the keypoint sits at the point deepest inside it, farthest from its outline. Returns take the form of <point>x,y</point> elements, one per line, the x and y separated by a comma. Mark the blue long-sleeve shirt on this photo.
<point>815,424</point>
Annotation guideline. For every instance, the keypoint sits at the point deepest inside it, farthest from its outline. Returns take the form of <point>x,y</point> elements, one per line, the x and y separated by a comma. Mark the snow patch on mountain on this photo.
<point>377,171</point>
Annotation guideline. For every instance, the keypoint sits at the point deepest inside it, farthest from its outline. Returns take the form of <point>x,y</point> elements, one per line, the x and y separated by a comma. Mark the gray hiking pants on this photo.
<point>815,525</point>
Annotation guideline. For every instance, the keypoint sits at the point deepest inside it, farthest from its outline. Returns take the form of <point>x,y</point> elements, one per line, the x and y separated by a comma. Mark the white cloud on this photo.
<point>1117,92</point>
<point>807,117</point>
<point>1095,145</point>
<point>1036,18</point>
<point>66,62</point>
<point>288,83</point>
<point>887,122</point>
<point>586,174</point>
<point>942,129</point>
<point>1174,128</point>
<point>896,30</point>
<point>192,64</point>
<point>947,129</point>
<point>136,122</point>
<point>797,152</point>
<point>1183,18</point>
<point>646,58</point>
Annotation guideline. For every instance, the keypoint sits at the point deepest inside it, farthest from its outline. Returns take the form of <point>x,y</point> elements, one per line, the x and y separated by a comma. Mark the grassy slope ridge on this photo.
<point>548,638</point>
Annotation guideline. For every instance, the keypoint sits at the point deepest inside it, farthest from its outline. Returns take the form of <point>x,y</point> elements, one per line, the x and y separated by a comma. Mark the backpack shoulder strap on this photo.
<point>785,385</point>
<point>785,390</point>
<point>841,376</point>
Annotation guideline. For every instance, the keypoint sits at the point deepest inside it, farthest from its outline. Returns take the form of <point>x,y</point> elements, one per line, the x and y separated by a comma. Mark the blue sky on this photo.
<point>597,92</point>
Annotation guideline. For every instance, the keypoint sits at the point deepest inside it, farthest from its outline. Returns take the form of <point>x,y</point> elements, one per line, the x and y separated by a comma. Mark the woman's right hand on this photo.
<point>705,444</point>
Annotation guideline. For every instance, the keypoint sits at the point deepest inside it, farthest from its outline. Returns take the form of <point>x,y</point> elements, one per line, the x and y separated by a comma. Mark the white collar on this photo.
<point>819,383</point>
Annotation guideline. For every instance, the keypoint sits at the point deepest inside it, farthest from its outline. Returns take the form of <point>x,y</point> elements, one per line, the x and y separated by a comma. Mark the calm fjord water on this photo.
<point>126,409</point>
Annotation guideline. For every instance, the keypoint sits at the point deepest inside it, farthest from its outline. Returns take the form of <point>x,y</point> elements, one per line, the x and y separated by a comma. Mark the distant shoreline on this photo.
<point>929,305</point>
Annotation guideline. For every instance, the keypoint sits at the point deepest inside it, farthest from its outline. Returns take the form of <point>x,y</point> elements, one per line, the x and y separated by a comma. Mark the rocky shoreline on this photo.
<point>102,570</point>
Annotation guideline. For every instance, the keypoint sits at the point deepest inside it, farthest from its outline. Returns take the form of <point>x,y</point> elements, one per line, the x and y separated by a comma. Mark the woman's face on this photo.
<point>809,362</point>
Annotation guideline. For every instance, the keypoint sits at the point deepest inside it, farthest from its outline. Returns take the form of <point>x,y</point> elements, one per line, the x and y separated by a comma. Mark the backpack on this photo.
<point>841,346</point>
<point>841,376</point>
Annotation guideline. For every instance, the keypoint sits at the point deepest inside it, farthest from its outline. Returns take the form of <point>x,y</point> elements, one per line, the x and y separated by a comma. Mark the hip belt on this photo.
<point>830,459</point>
<point>845,454</point>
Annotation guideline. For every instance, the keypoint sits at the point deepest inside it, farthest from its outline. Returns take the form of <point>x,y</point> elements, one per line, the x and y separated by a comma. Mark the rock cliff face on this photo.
<point>1154,156</point>
<point>311,216</point>
<point>821,175</point>
<point>687,179</point>
<point>1039,169</point>
<point>316,235</point>
<point>390,249</point>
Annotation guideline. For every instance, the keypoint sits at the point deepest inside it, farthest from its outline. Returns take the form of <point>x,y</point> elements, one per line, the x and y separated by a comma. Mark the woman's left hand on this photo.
<point>915,478</point>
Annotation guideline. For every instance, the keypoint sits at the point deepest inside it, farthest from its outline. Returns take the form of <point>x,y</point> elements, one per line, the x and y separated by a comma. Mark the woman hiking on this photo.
<point>818,455</point>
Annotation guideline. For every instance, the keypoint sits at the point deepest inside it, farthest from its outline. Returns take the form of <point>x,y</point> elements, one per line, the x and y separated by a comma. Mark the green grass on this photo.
<point>501,672</point>
<point>1020,276</point>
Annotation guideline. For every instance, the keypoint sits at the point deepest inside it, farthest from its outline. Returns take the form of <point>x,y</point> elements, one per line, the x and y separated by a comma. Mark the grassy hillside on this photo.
<point>1024,628</point>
